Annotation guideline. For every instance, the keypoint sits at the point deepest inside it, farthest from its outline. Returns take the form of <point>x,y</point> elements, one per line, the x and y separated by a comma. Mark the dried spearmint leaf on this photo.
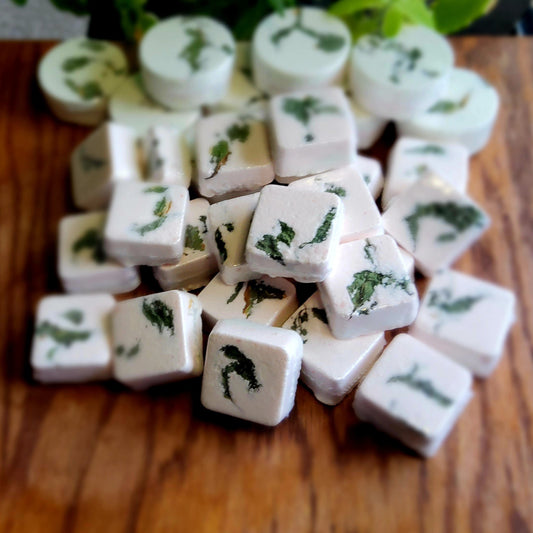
<point>219,240</point>
<point>269,243</point>
<point>242,366</point>
<point>323,230</point>
<point>133,351</point>
<point>460,217</point>
<point>443,300</point>
<point>258,291</point>
<point>159,314</point>
<point>425,386</point>
<point>92,240</point>
<point>193,239</point>
<point>74,315</point>
<point>62,336</point>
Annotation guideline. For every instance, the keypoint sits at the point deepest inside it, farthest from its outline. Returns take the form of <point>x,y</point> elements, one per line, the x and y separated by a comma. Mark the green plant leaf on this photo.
<point>220,153</point>
<point>453,15</point>
<point>159,314</point>
<point>257,291</point>
<point>235,292</point>
<point>392,22</point>
<point>156,189</point>
<point>87,90</point>
<point>92,239</point>
<point>348,7</point>
<point>193,239</point>
<point>242,366</point>
<point>75,63</point>
<point>416,11</point>
<point>322,231</point>
<point>151,226</point>
<point>238,132</point>
<point>62,336</point>
<point>74,315</point>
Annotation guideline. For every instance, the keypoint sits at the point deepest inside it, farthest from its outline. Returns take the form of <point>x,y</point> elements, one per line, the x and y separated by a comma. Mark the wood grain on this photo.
<point>98,458</point>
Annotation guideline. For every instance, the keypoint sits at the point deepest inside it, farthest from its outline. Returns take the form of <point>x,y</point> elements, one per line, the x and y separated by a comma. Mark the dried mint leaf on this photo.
<point>220,153</point>
<point>221,245</point>
<point>427,149</point>
<point>191,53</point>
<point>193,240</point>
<point>298,323</point>
<point>329,42</point>
<point>159,314</point>
<point>87,90</point>
<point>269,245</point>
<point>74,315</point>
<point>449,106</point>
<point>460,217</point>
<point>236,292</point>
<point>93,240</point>
<point>162,207</point>
<point>156,188</point>
<point>242,366</point>
<point>203,220</point>
<point>258,291</point>
<point>75,63</point>
<point>365,283</point>
<point>238,132</point>
<point>64,337</point>
<point>334,189</point>
<point>151,226</point>
<point>443,300</point>
<point>425,386</point>
<point>323,230</point>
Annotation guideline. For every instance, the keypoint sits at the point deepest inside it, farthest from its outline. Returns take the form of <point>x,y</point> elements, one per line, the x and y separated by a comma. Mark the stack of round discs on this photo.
<point>78,75</point>
<point>303,49</point>
<point>400,77</point>
<point>187,62</point>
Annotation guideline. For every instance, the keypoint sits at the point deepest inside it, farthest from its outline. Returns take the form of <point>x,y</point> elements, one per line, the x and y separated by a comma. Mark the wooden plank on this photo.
<point>99,458</point>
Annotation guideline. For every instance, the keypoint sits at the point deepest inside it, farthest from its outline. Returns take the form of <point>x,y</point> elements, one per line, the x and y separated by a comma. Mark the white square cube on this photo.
<point>232,155</point>
<point>251,371</point>
<point>198,263</point>
<point>434,223</point>
<point>361,215</point>
<point>369,289</point>
<point>414,393</point>
<point>311,131</point>
<point>71,342</point>
<point>371,172</point>
<point>157,339</point>
<point>331,367</point>
<point>268,301</point>
<point>410,159</point>
<point>228,223</point>
<point>167,156</point>
<point>466,319</point>
<point>295,233</point>
<point>109,155</point>
<point>146,223</point>
<point>82,263</point>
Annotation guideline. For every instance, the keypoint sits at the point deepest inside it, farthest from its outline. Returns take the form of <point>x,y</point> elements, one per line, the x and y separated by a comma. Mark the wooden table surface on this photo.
<point>98,458</point>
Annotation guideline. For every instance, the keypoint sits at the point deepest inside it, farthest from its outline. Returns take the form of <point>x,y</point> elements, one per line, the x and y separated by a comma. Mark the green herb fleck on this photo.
<point>191,53</point>
<point>421,385</point>
<point>339,191</point>
<point>193,240</point>
<point>93,45</point>
<point>238,132</point>
<point>460,217</point>
<point>151,226</point>
<point>162,207</point>
<point>365,283</point>
<point>219,240</point>
<point>427,149</point>
<point>90,162</point>
<point>298,323</point>
<point>203,220</point>
<point>220,153</point>
<point>323,230</point>
<point>327,42</point>
<point>269,243</point>
<point>64,337</point>
<point>159,314</point>
<point>258,291</point>
<point>156,188</point>
<point>74,315</point>
<point>443,300</point>
<point>236,292</point>
<point>450,106</point>
<point>92,240</point>
<point>369,251</point>
<point>87,90</point>
<point>242,366</point>
<point>74,63</point>
<point>132,352</point>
